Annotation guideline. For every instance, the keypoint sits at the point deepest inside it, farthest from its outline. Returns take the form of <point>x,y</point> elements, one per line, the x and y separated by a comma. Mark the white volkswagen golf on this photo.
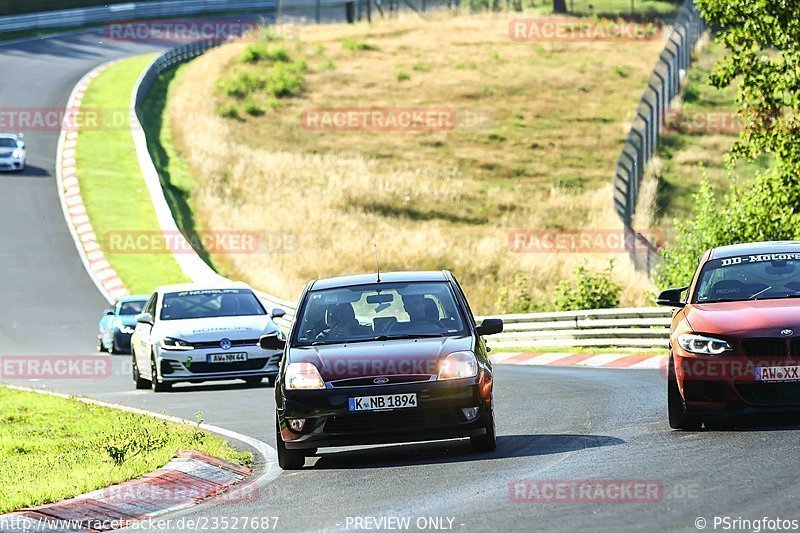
<point>195,333</point>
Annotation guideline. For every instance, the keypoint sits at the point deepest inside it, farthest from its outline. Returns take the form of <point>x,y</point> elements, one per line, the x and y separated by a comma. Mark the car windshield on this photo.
<point>133,307</point>
<point>750,277</point>
<point>5,142</point>
<point>210,303</point>
<point>378,312</point>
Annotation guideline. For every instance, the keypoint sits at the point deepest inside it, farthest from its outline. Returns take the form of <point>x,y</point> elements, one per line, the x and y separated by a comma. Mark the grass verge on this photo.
<point>53,448</point>
<point>542,159</point>
<point>116,197</point>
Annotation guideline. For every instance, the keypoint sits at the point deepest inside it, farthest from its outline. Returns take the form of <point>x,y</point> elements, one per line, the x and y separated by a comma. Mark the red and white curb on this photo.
<point>187,480</point>
<point>69,191</point>
<point>249,488</point>
<point>601,360</point>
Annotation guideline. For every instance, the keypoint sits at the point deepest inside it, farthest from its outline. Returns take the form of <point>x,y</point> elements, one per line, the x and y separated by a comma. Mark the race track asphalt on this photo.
<point>553,423</point>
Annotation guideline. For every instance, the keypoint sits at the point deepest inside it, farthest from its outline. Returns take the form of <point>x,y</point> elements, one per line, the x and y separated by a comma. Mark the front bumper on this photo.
<point>438,414</point>
<point>193,365</point>
<point>122,341</point>
<point>726,385</point>
<point>10,163</point>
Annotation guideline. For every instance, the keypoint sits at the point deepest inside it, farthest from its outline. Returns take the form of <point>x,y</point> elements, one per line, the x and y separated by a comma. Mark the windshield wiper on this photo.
<point>408,336</point>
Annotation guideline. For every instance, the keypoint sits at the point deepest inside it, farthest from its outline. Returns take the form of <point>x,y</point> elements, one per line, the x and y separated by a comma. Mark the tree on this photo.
<point>763,41</point>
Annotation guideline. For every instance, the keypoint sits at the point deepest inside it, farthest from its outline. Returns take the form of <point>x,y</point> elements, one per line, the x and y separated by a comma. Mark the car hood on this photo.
<point>380,358</point>
<point>216,328</point>
<point>127,320</point>
<point>761,318</point>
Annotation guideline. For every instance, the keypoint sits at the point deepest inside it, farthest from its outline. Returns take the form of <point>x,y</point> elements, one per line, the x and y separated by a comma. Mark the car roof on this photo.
<point>133,298</point>
<point>386,277</point>
<point>769,247</point>
<point>182,287</point>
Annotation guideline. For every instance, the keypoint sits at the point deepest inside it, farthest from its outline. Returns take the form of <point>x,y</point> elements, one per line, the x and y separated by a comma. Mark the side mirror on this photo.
<point>108,312</point>
<point>672,297</point>
<point>271,342</point>
<point>277,312</point>
<point>145,318</point>
<point>490,326</point>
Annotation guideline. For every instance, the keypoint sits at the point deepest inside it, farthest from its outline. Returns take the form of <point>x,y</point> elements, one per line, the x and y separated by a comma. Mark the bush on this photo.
<point>763,210</point>
<point>241,85</point>
<point>402,75</point>
<point>285,79</point>
<point>261,52</point>
<point>353,45</point>
<point>517,298</point>
<point>588,290</point>
<point>253,108</point>
<point>228,111</point>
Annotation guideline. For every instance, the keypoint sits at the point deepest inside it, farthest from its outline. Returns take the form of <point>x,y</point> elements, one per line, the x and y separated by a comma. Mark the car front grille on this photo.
<point>770,393</point>
<point>6,154</point>
<point>215,344</point>
<point>397,421</point>
<point>391,380</point>
<point>239,366</point>
<point>766,347</point>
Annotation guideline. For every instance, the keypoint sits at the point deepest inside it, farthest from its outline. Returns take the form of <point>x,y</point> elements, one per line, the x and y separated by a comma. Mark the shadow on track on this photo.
<point>751,423</point>
<point>233,384</point>
<point>29,172</point>
<point>460,451</point>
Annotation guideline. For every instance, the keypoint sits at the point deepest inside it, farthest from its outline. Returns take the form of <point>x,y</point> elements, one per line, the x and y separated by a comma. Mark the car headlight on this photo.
<point>168,343</point>
<point>19,153</point>
<point>700,344</point>
<point>127,330</point>
<point>303,376</point>
<point>458,365</point>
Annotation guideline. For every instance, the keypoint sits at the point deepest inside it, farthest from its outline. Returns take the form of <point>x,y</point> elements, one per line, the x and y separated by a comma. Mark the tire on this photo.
<point>154,383</point>
<point>487,442</point>
<point>679,418</point>
<point>270,382</point>
<point>100,346</point>
<point>288,459</point>
<point>114,350</point>
<point>252,382</point>
<point>139,382</point>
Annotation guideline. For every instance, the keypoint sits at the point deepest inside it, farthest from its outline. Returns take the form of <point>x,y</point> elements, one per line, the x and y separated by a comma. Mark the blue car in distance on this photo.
<point>117,324</point>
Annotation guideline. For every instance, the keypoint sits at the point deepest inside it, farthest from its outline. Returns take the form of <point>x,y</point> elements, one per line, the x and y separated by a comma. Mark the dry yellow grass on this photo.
<point>430,200</point>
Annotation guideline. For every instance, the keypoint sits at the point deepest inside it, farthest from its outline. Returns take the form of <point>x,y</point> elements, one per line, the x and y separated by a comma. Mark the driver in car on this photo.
<point>422,314</point>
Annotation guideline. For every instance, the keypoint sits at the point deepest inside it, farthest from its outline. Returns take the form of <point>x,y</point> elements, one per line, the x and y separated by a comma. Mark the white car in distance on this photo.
<point>196,333</point>
<point>12,152</point>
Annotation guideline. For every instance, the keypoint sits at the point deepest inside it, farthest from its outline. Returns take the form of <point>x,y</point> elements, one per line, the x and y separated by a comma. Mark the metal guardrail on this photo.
<point>641,327</point>
<point>662,87</point>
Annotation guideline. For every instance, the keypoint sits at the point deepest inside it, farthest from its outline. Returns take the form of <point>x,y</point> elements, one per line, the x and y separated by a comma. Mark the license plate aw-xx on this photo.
<point>226,357</point>
<point>386,402</point>
<point>778,374</point>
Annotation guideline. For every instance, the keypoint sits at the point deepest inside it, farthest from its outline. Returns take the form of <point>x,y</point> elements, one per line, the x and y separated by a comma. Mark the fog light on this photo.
<point>470,413</point>
<point>296,424</point>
